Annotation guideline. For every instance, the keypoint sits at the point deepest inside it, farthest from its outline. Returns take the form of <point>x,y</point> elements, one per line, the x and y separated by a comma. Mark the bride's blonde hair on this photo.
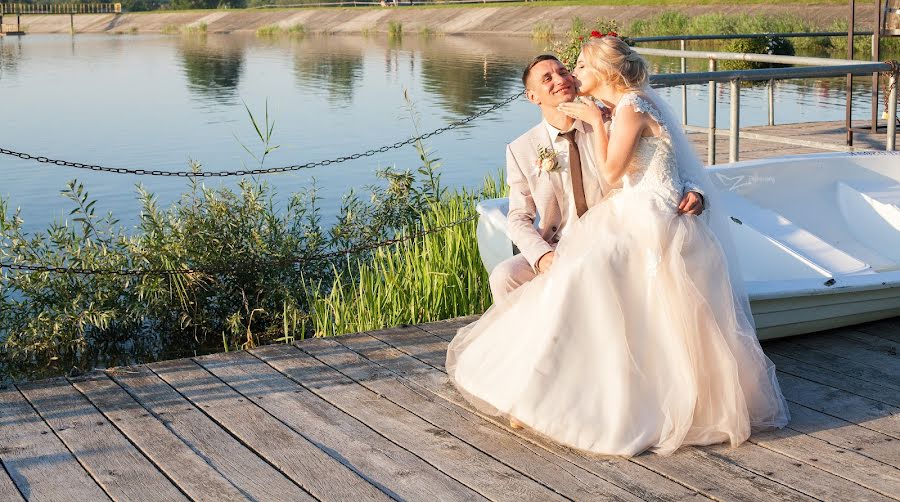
<point>617,63</point>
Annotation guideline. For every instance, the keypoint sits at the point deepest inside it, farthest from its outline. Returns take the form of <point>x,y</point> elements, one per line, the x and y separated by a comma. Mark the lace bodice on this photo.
<point>653,167</point>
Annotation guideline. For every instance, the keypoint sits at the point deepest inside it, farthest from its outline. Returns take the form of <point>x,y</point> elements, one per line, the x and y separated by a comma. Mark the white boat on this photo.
<point>818,237</point>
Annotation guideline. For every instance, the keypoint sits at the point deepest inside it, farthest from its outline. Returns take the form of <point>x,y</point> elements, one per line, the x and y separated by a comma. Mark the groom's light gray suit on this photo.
<point>540,205</point>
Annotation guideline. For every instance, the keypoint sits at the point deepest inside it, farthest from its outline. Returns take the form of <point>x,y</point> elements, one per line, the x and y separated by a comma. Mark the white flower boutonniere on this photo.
<point>546,161</point>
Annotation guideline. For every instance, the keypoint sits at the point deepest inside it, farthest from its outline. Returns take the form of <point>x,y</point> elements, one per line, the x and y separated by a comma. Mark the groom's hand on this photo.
<point>544,262</point>
<point>692,203</point>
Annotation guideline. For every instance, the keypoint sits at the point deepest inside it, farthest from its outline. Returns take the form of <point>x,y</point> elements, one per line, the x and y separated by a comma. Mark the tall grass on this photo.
<point>542,32</point>
<point>438,276</point>
<point>395,30</point>
<point>276,31</point>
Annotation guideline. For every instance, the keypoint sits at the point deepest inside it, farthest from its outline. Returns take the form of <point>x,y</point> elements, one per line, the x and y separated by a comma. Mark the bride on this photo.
<point>640,336</point>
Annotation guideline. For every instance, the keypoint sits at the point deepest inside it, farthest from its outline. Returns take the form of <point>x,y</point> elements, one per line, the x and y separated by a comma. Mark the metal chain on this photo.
<point>270,170</point>
<point>294,261</point>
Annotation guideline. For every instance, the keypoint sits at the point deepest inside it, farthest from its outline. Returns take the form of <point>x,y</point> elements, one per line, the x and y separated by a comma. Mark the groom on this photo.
<point>543,202</point>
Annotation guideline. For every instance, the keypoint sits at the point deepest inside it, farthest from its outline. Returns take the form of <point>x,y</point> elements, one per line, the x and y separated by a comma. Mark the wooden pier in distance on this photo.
<point>372,416</point>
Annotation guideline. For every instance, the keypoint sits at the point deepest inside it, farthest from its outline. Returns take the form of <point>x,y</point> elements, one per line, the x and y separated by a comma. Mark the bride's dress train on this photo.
<point>634,339</point>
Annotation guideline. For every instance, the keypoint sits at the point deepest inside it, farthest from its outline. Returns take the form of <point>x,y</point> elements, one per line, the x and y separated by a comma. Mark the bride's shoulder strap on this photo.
<point>641,105</point>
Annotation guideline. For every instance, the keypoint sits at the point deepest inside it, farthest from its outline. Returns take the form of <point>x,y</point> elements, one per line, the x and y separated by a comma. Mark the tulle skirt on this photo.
<point>634,340</point>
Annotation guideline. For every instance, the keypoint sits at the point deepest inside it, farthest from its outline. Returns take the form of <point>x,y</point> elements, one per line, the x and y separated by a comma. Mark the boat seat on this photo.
<point>793,245</point>
<point>873,217</point>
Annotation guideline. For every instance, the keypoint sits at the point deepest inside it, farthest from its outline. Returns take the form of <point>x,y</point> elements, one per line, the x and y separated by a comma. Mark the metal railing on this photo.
<point>60,8</point>
<point>820,67</point>
<point>737,36</point>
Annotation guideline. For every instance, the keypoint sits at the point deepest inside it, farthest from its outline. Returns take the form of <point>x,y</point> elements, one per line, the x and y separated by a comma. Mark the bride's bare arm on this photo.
<point>613,151</point>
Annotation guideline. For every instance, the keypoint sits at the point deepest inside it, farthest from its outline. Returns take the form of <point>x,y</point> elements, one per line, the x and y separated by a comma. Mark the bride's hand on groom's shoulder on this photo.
<point>586,111</point>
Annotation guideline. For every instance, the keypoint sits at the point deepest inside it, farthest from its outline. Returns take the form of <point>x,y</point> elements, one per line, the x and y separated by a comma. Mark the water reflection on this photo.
<point>212,66</point>
<point>10,54</point>
<point>331,64</point>
<point>470,73</point>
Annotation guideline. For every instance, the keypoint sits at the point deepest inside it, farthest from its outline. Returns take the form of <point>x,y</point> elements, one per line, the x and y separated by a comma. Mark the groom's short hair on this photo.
<point>536,60</point>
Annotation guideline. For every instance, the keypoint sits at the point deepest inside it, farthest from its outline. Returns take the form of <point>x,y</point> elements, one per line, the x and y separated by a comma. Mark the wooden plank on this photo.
<point>845,435</point>
<point>631,477</point>
<point>786,364</point>
<point>447,329</point>
<point>888,329</point>
<point>196,477</point>
<point>845,463</point>
<point>562,476</point>
<point>114,463</point>
<point>251,474</point>
<point>804,477</point>
<point>837,344</point>
<point>36,460</point>
<point>689,466</point>
<point>8,490</point>
<point>289,451</point>
<point>399,472</point>
<point>448,453</point>
<point>817,354</point>
<point>873,343</point>
<point>866,412</point>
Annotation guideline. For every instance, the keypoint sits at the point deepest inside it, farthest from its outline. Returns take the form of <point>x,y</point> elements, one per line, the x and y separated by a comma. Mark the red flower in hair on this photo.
<point>580,39</point>
<point>612,34</point>
<point>596,34</point>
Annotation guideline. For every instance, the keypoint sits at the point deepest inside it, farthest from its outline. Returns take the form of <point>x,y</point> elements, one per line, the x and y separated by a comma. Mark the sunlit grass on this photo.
<point>276,31</point>
<point>438,276</point>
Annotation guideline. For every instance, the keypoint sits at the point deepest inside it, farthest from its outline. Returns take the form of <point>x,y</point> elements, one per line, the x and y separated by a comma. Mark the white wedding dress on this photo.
<point>634,340</point>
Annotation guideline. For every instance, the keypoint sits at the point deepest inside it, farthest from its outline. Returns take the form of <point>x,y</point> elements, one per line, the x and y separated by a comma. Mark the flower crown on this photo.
<point>597,34</point>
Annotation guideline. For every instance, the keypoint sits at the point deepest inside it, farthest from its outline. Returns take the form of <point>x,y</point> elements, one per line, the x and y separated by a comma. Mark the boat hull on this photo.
<point>818,238</point>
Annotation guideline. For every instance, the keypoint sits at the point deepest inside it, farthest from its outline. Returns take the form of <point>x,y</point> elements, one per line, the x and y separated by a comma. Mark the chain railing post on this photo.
<point>734,140</point>
<point>711,135</point>
<point>892,113</point>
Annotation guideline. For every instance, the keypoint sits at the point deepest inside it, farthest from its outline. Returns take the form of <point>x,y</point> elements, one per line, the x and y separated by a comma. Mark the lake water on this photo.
<point>154,102</point>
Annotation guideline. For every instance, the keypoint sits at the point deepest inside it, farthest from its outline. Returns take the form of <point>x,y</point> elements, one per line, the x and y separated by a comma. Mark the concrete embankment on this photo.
<point>513,20</point>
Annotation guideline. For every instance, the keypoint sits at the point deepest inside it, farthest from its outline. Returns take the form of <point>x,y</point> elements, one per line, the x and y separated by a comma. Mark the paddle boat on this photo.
<point>818,237</point>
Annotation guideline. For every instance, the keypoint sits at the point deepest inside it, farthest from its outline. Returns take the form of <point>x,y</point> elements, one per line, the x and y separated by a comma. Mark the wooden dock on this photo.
<point>372,416</point>
<point>751,148</point>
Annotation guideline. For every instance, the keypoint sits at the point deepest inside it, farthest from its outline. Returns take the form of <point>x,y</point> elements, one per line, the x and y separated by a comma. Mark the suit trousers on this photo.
<point>508,275</point>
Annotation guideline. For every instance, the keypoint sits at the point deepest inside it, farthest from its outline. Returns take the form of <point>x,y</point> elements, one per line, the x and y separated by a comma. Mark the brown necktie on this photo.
<point>575,173</point>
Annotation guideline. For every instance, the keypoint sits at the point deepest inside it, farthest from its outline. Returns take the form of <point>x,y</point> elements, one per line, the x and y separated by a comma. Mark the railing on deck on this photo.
<point>815,68</point>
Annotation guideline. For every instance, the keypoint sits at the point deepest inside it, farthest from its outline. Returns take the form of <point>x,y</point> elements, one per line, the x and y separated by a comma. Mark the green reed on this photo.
<point>395,30</point>
<point>276,31</point>
<point>438,276</point>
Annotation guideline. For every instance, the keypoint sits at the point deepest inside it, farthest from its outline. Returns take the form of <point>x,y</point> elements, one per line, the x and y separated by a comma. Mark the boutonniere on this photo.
<point>546,161</point>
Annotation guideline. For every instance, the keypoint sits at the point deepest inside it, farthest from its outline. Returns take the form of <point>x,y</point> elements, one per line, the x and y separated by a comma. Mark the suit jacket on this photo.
<point>539,203</point>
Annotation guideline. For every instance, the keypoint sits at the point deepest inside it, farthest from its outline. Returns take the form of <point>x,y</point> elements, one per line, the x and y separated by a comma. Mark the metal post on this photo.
<point>876,55</point>
<point>848,118</point>
<point>771,102</point>
<point>711,137</point>
<point>734,145</point>
<point>684,120</point>
<point>892,114</point>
